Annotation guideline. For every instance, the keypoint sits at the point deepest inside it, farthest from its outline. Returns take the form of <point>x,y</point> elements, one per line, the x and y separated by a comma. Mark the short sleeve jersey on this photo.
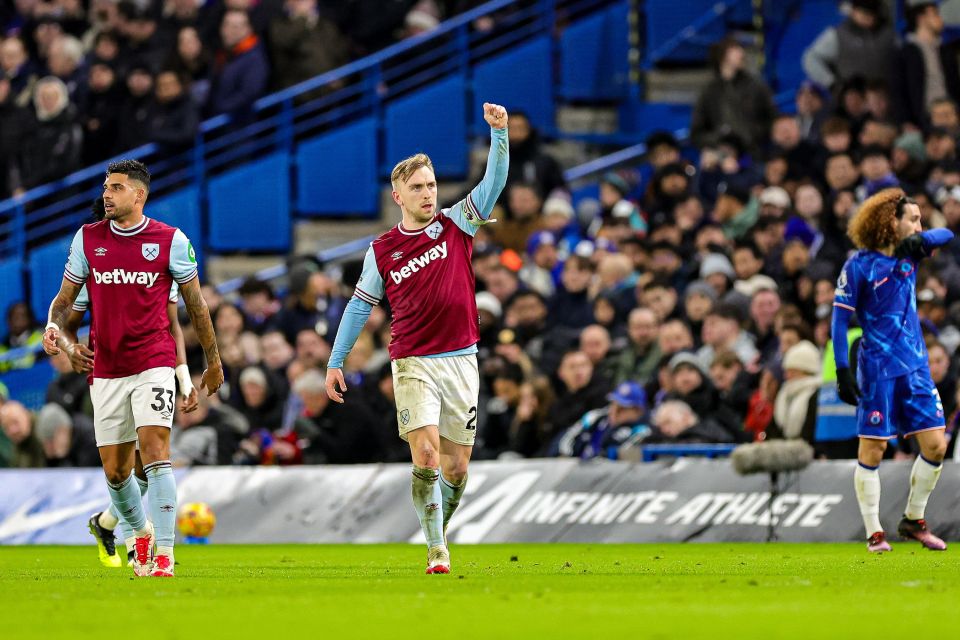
<point>129,274</point>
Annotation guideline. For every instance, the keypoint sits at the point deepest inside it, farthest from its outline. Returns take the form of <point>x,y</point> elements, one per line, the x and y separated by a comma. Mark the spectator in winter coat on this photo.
<point>304,44</point>
<point>240,69</point>
<point>735,101</point>
<point>862,46</point>
<point>53,146</point>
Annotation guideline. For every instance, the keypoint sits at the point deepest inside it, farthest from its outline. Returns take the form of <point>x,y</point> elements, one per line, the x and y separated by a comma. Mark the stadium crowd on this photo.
<point>689,302</point>
<point>83,81</point>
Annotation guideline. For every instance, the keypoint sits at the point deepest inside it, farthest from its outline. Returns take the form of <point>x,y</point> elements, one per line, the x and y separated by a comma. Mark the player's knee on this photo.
<point>456,472</point>
<point>935,452</point>
<point>426,455</point>
<point>116,474</point>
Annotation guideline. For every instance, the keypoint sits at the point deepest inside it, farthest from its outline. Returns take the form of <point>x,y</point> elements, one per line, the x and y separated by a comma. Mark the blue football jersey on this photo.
<point>882,291</point>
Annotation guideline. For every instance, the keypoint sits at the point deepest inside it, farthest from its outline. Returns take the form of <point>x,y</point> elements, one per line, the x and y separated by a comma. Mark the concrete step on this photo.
<point>581,119</point>
<point>678,86</point>
<point>313,236</point>
<point>221,268</point>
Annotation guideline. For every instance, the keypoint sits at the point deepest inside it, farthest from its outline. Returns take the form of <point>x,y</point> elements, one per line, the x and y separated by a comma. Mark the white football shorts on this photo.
<point>122,405</point>
<point>438,391</point>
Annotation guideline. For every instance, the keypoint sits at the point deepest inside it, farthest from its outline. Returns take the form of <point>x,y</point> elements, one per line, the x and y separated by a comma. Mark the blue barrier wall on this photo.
<point>520,80</point>
<point>46,273</point>
<point>182,209</point>
<point>444,106</point>
<point>594,56</point>
<point>250,206</point>
<point>11,288</point>
<point>331,168</point>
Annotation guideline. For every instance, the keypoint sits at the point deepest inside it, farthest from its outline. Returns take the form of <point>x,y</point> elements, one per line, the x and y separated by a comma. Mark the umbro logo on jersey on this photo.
<point>438,252</point>
<point>396,255</point>
<point>122,276</point>
<point>100,252</point>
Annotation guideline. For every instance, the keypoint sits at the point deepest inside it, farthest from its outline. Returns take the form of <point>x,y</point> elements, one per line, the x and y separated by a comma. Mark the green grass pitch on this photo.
<point>496,591</point>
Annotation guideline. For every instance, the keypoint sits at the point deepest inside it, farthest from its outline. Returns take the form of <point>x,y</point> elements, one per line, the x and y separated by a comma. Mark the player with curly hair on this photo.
<point>893,391</point>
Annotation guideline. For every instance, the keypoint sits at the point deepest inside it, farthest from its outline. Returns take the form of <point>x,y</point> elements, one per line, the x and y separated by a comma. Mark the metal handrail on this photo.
<point>714,13</point>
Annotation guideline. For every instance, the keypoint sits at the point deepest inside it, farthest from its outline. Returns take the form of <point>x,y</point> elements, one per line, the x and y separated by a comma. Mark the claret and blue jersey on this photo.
<point>427,275</point>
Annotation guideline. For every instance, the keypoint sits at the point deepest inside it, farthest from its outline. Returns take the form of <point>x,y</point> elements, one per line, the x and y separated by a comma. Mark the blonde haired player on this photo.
<point>423,265</point>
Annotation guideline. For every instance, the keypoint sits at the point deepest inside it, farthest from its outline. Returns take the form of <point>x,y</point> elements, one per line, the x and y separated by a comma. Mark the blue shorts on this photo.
<point>904,405</point>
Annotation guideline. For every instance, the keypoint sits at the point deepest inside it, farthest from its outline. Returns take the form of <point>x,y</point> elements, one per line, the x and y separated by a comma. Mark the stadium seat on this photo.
<point>666,19</point>
<point>46,264</point>
<point>250,207</point>
<point>445,103</point>
<point>520,80</point>
<point>334,188</point>
<point>594,55</point>
<point>181,209</point>
<point>807,20</point>
<point>11,288</point>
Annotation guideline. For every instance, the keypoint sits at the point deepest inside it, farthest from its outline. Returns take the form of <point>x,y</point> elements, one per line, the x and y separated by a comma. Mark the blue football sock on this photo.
<point>126,499</point>
<point>427,500</point>
<point>126,532</point>
<point>162,499</point>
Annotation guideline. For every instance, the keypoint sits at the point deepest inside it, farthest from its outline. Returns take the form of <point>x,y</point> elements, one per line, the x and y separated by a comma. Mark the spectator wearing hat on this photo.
<point>258,399</point>
<point>143,44</point>
<point>909,159</point>
<point>601,432</point>
<point>926,68</point>
<point>616,208</point>
<point>490,311</point>
<point>733,101</point>
<point>68,441</point>
<point>722,330</point>
<point>862,46</point>
<point>698,300</point>
<point>557,217</point>
<point>17,424</point>
<point>690,383</point>
<point>541,269</point>
<point>795,407</point>
<point>717,272</point>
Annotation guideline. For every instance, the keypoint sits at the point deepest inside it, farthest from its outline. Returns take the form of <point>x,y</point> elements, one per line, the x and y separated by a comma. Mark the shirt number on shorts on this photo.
<point>160,404</point>
<point>472,422</point>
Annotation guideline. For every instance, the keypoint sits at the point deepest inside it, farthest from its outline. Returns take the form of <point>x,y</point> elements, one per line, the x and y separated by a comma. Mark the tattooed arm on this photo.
<point>212,377</point>
<point>61,309</point>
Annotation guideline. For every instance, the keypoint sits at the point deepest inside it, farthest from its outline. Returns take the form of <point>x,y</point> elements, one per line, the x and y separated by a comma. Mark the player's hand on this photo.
<point>335,381</point>
<point>81,358</point>
<point>847,387</point>
<point>190,402</point>
<point>910,247</point>
<point>50,342</point>
<point>495,115</point>
<point>212,378</point>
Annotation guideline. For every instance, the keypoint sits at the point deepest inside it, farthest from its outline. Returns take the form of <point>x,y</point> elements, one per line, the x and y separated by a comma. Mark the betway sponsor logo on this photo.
<point>122,276</point>
<point>414,265</point>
